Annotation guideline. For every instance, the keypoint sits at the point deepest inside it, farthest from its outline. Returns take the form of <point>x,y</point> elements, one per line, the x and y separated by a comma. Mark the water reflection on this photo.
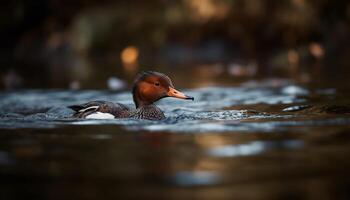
<point>105,160</point>
<point>253,148</point>
<point>195,178</point>
<point>101,136</point>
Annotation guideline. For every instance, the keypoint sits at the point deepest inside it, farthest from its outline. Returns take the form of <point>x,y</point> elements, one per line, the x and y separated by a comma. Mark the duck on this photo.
<point>148,88</point>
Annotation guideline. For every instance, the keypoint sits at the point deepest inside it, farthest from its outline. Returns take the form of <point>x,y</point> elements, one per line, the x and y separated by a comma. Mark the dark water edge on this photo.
<point>253,141</point>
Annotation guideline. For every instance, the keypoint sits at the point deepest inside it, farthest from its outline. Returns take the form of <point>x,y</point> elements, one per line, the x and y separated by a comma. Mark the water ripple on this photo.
<point>208,113</point>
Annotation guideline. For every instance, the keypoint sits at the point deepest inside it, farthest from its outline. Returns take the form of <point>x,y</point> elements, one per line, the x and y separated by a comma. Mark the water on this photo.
<point>254,141</point>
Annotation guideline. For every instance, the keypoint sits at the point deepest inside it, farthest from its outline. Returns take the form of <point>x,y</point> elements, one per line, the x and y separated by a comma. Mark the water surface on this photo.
<point>266,140</point>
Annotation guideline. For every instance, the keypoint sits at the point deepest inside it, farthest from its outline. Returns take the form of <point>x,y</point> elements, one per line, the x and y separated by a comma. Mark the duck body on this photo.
<point>148,88</point>
<point>110,110</point>
<point>93,108</point>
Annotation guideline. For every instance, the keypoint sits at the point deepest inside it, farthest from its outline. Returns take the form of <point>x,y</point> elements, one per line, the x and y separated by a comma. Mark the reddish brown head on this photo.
<point>150,86</point>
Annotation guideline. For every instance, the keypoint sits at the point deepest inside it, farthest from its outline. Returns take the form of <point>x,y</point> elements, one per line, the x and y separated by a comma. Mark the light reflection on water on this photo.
<point>252,148</point>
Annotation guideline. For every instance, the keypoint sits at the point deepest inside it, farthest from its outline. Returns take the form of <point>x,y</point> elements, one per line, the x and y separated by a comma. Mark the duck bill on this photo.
<point>177,94</point>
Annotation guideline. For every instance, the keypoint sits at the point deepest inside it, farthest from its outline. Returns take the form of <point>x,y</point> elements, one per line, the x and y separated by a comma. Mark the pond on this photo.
<point>260,140</point>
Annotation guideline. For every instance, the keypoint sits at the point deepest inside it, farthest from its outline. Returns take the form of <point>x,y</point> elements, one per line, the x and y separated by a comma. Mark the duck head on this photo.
<point>151,86</point>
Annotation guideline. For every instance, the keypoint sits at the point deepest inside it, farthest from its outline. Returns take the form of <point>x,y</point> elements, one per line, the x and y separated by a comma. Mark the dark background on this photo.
<point>84,44</point>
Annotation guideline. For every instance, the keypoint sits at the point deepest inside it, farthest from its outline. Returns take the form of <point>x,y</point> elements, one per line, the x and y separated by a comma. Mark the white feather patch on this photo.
<point>88,108</point>
<point>100,115</point>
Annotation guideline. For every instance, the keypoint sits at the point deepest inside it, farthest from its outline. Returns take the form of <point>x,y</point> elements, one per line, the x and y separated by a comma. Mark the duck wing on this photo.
<point>92,105</point>
<point>116,109</point>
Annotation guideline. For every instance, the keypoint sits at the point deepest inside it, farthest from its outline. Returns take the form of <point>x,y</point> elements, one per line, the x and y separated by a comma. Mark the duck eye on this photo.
<point>156,84</point>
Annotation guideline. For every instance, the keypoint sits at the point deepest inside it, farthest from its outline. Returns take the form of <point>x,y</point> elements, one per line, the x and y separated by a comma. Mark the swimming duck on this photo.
<point>148,88</point>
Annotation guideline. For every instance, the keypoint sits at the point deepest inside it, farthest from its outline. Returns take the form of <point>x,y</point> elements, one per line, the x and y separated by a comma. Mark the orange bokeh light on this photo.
<point>129,55</point>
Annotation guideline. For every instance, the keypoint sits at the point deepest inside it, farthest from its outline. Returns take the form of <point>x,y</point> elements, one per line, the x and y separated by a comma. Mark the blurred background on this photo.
<point>100,44</point>
<point>283,135</point>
